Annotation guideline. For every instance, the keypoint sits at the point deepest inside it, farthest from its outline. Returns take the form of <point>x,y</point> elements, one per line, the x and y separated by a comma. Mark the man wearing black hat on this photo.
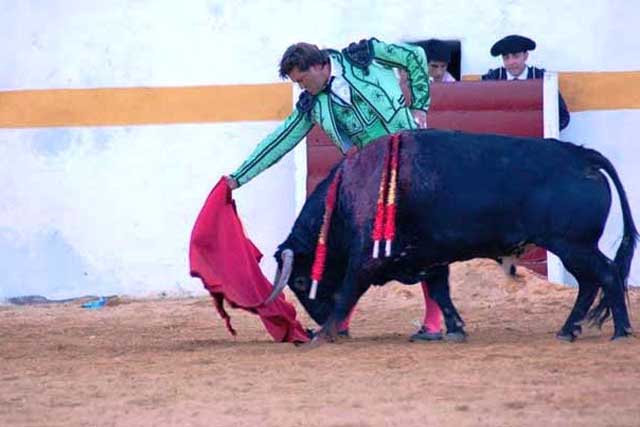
<point>515,52</point>
<point>438,58</point>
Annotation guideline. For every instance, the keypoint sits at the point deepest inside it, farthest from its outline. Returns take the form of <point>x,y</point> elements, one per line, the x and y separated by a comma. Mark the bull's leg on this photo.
<point>577,260</point>
<point>345,300</point>
<point>438,280</point>
<point>592,268</point>
<point>587,292</point>
<point>613,295</point>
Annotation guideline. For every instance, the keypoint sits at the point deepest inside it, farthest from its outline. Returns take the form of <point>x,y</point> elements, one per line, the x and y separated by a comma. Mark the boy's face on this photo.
<point>437,70</point>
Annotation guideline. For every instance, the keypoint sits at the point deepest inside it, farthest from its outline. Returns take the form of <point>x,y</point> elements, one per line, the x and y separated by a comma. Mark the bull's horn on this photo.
<point>282,276</point>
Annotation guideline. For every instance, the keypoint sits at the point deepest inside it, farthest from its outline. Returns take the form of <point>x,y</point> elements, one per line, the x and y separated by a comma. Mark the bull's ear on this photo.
<point>277,254</point>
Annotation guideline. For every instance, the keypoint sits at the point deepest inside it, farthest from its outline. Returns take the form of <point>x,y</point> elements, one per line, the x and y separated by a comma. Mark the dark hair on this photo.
<point>303,56</point>
<point>438,50</point>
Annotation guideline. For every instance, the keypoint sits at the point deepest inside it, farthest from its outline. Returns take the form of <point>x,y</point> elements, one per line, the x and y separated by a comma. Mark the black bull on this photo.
<point>463,196</point>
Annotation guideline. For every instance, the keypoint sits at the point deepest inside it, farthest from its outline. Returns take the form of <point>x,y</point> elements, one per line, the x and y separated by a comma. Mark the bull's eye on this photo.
<point>300,283</point>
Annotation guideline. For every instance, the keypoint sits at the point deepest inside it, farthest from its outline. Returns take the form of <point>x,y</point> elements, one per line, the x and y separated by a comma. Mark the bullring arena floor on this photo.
<point>171,362</point>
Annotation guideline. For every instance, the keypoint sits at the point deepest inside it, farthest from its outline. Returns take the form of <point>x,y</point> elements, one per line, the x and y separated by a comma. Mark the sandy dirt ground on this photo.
<point>171,362</point>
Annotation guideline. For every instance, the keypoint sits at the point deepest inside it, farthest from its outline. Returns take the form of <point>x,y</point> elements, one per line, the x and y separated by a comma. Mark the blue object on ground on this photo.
<point>95,304</point>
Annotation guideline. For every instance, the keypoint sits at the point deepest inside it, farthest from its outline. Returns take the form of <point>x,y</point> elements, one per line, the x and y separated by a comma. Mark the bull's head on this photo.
<point>294,270</point>
<point>295,256</point>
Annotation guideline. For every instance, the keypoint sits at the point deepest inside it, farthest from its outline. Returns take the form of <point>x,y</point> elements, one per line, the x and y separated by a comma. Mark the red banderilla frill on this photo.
<point>321,247</point>
<point>384,225</point>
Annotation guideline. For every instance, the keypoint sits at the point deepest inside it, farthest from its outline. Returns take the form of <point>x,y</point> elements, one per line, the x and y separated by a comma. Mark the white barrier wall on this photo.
<point>75,43</point>
<point>103,210</point>
<point>612,133</point>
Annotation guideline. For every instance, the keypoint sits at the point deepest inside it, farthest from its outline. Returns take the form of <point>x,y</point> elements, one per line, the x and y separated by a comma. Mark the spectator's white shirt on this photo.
<point>522,76</point>
<point>447,78</point>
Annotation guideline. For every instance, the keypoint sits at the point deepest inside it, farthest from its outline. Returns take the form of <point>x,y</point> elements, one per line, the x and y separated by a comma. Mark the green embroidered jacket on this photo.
<point>377,105</point>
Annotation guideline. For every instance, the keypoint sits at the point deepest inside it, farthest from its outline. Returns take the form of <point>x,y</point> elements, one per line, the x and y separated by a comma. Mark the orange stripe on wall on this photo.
<point>583,91</point>
<point>601,91</point>
<point>587,91</point>
<point>136,106</point>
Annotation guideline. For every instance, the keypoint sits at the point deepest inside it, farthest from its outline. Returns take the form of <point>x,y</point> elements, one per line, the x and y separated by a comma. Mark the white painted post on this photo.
<point>556,272</point>
<point>300,163</point>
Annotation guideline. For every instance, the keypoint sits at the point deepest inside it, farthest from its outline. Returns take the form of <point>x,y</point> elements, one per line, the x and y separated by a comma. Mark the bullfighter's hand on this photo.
<point>420,117</point>
<point>232,183</point>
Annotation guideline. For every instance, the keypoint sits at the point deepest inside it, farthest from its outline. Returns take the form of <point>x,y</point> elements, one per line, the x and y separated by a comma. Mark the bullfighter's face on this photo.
<point>313,80</point>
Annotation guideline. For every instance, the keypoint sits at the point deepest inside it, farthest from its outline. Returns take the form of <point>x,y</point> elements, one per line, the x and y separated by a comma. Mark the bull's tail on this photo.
<point>624,255</point>
<point>625,252</point>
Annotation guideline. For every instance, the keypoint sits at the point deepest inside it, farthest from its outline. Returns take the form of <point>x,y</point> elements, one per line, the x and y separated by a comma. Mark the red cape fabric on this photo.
<point>227,263</point>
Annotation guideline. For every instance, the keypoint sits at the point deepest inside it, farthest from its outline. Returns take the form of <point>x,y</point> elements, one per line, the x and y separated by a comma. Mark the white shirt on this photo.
<point>339,87</point>
<point>522,76</point>
<point>447,78</point>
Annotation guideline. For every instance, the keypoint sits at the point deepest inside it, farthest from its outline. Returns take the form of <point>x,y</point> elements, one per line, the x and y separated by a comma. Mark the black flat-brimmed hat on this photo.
<point>438,50</point>
<point>512,44</point>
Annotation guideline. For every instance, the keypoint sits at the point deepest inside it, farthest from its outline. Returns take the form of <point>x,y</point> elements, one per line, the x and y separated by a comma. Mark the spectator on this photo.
<point>514,50</point>
<point>438,58</point>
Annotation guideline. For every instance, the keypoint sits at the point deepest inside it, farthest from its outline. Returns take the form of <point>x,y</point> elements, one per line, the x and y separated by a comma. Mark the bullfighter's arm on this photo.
<point>413,60</point>
<point>274,146</point>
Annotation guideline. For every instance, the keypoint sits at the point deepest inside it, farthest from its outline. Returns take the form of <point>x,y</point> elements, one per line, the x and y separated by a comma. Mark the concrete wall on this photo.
<point>109,209</point>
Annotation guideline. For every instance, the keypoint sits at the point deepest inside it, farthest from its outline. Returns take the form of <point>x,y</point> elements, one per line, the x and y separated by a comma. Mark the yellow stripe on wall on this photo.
<point>136,106</point>
<point>587,91</point>
<point>601,91</point>
<point>583,91</point>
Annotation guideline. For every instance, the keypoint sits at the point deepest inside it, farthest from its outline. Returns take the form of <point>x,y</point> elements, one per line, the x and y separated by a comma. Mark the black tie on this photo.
<point>327,87</point>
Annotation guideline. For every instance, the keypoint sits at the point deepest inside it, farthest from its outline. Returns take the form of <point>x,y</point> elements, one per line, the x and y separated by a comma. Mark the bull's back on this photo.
<point>475,191</point>
<point>491,188</point>
<point>491,162</point>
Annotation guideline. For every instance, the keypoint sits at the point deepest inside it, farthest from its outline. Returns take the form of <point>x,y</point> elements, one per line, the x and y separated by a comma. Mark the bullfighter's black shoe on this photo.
<point>344,333</point>
<point>424,335</point>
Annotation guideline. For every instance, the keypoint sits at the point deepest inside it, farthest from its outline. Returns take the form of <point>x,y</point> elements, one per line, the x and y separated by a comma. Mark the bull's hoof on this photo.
<point>455,337</point>
<point>622,334</point>
<point>569,334</point>
<point>566,337</point>
<point>317,341</point>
